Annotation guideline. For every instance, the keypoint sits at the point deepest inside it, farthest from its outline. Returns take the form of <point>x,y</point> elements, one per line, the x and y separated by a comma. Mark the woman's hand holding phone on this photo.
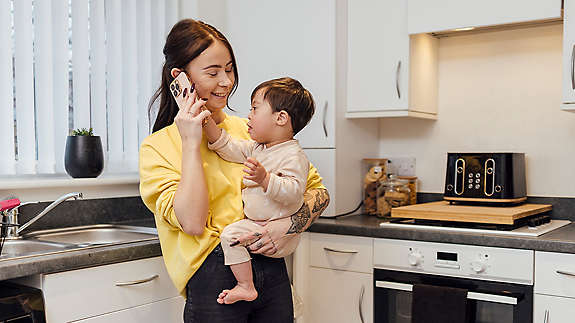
<point>191,116</point>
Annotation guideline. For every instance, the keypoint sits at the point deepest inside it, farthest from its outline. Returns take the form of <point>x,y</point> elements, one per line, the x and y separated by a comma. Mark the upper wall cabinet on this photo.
<point>389,73</point>
<point>295,38</point>
<point>569,56</point>
<point>426,16</point>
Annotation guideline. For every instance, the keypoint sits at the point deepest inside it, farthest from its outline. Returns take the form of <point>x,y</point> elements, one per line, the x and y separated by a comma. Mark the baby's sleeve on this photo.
<point>288,183</point>
<point>233,150</point>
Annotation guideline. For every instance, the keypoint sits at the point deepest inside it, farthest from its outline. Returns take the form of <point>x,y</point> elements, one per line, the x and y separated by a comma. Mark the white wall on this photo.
<point>498,91</point>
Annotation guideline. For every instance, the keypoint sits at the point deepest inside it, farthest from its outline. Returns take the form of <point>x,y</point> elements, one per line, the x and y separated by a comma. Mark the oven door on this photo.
<point>489,302</point>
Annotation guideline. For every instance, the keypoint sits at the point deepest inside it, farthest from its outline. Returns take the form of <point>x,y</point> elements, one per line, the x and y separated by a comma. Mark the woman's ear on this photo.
<point>282,118</point>
<point>175,72</point>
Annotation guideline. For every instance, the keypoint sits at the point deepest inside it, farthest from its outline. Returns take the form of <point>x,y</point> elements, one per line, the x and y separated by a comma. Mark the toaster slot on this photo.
<point>489,182</point>
<point>459,176</point>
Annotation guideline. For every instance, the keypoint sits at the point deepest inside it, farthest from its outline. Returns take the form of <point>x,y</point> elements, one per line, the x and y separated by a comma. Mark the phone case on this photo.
<point>180,88</point>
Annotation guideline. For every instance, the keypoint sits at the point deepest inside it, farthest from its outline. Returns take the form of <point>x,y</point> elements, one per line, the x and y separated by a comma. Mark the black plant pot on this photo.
<point>84,156</point>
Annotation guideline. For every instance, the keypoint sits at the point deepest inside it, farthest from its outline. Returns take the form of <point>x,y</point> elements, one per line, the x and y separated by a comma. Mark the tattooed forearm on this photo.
<point>299,219</point>
<point>317,201</point>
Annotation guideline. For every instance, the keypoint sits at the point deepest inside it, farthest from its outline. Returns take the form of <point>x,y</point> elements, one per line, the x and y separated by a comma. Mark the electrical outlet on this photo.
<point>401,166</point>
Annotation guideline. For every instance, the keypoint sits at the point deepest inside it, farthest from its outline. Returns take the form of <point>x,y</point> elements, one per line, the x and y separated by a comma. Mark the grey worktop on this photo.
<point>82,258</point>
<point>559,240</point>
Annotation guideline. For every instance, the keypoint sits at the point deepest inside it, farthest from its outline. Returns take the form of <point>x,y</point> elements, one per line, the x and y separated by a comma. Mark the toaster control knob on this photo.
<point>489,170</point>
<point>449,187</point>
<point>459,170</point>
<point>478,266</point>
<point>414,258</point>
<point>498,188</point>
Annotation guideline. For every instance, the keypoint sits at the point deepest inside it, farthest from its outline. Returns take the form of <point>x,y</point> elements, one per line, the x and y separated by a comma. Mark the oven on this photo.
<point>499,281</point>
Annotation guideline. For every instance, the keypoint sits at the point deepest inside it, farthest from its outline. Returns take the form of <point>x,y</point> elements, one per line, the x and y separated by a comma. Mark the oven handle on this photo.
<point>470,295</point>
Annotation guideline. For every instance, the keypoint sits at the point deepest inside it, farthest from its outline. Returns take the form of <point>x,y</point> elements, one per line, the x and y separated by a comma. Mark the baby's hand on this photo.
<point>256,172</point>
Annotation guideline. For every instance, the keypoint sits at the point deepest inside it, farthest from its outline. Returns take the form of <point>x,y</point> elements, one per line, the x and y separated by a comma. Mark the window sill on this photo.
<point>50,187</point>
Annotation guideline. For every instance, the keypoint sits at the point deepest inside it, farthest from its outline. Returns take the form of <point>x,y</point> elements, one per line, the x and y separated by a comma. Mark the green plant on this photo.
<point>83,132</point>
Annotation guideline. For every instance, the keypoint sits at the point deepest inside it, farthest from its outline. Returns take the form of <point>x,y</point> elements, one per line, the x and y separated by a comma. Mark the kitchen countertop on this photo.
<point>559,240</point>
<point>82,258</point>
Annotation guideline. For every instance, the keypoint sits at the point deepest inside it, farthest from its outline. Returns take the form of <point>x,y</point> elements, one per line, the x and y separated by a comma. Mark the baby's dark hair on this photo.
<point>288,94</point>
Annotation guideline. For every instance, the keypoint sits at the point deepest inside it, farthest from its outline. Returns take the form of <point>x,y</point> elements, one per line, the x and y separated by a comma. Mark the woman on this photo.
<point>194,194</point>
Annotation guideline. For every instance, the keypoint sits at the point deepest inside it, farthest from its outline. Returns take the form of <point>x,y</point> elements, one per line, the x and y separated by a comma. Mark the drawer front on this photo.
<point>83,293</point>
<point>166,311</point>
<point>341,252</point>
<point>555,274</point>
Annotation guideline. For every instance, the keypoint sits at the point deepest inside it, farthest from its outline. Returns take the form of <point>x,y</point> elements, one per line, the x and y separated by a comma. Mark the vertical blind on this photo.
<point>68,64</point>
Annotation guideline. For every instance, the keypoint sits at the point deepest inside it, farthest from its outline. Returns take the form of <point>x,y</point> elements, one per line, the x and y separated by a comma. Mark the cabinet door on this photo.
<point>440,15</point>
<point>553,309</point>
<point>378,56</point>
<point>166,311</point>
<point>324,161</point>
<point>296,38</point>
<point>338,296</point>
<point>569,55</point>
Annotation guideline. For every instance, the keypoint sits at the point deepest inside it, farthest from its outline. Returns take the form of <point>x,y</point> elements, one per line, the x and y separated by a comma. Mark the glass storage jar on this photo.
<point>392,192</point>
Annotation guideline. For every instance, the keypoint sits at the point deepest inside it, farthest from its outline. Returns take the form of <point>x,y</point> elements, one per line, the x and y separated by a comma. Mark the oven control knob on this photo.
<point>478,266</point>
<point>414,258</point>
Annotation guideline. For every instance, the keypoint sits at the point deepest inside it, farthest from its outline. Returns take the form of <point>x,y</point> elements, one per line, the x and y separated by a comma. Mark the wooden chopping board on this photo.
<point>443,211</point>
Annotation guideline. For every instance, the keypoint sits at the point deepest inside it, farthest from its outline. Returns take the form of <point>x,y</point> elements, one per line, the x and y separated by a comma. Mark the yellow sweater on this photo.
<point>160,172</point>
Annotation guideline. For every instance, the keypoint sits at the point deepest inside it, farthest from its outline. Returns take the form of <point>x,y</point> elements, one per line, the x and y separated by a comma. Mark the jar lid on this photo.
<point>394,181</point>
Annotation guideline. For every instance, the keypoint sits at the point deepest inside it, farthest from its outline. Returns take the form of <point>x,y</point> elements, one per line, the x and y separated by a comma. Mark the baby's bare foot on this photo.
<point>238,293</point>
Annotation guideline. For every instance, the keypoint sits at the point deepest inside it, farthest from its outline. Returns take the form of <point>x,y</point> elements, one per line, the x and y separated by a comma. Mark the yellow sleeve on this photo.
<point>313,179</point>
<point>158,184</point>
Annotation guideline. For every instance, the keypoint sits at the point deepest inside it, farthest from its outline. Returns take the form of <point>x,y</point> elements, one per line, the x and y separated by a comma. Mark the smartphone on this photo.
<point>181,88</point>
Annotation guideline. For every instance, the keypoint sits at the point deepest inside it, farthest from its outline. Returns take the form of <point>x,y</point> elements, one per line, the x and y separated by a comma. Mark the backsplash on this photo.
<point>563,207</point>
<point>86,212</point>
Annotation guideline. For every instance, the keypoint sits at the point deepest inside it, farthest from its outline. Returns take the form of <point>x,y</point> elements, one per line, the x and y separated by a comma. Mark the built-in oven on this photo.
<point>498,281</point>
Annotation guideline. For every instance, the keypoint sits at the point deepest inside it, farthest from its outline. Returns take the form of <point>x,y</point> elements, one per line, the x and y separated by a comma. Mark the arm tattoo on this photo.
<point>301,218</point>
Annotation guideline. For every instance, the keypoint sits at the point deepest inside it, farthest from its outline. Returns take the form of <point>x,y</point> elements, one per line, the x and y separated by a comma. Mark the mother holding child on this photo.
<point>208,218</point>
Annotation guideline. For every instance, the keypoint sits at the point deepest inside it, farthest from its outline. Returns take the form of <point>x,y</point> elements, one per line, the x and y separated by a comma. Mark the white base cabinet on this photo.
<point>334,276</point>
<point>127,290</point>
<point>339,296</point>
<point>553,309</point>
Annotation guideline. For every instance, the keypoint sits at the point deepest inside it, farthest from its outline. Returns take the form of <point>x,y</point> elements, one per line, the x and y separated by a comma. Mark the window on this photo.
<point>78,64</point>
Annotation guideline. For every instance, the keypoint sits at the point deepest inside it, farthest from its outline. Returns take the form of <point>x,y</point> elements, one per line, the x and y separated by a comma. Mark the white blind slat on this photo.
<point>98,72</point>
<point>130,88</point>
<point>171,14</point>
<point>24,81</point>
<point>145,90</point>
<point>81,63</point>
<point>115,82</point>
<point>7,157</point>
<point>61,58</point>
<point>44,79</point>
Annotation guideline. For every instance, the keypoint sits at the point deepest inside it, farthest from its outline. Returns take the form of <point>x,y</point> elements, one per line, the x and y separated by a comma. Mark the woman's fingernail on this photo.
<point>235,243</point>
<point>185,92</point>
<point>205,99</point>
<point>193,87</point>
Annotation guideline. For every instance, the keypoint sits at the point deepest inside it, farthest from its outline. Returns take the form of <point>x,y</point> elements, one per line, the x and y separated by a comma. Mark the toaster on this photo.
<point>497,178</point>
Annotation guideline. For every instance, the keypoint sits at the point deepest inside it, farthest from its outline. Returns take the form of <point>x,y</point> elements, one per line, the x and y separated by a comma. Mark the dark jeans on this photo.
<point>274,302</point>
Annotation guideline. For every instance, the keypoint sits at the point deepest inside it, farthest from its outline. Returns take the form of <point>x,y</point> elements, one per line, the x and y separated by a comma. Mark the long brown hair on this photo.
<point>186,41</point>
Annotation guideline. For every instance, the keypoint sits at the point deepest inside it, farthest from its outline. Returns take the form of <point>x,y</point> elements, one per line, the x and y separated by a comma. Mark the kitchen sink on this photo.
<point>20,247</point>
<point>100,234</point>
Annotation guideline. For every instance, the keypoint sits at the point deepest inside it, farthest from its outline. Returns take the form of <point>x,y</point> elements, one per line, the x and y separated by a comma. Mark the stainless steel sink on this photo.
<point>101,234</point>
<point>19,248</point>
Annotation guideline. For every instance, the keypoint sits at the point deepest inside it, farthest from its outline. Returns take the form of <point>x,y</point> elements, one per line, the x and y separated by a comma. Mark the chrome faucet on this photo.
<point>11,215</point>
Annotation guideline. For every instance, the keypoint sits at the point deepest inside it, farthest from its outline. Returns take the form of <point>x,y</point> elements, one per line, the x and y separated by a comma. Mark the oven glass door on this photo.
<point>489,302</point>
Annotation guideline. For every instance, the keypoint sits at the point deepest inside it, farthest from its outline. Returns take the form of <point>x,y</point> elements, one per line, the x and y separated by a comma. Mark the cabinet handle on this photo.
<point>361,303</point>
<point>573,67</point>
<point>546,316</point>
<point>567,273</point>
<point>137,282</point>
<point>339,251</point>
<point>397,79</point>
<point>324,116</point>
